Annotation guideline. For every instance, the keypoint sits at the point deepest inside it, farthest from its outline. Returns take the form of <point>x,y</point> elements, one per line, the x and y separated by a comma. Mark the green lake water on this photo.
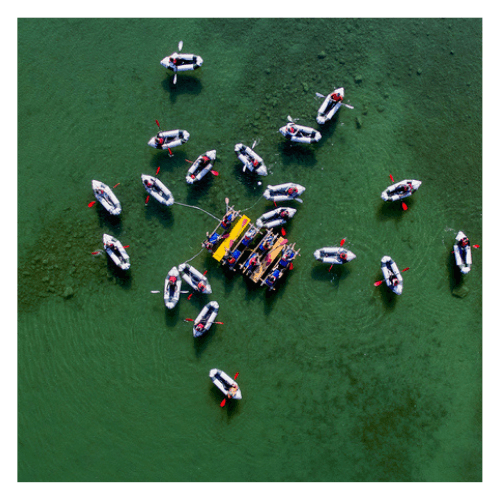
<point>341,381</point>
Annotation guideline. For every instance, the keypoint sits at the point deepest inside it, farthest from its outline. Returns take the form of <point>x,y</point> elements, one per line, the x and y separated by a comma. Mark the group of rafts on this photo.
<point>255,250</point>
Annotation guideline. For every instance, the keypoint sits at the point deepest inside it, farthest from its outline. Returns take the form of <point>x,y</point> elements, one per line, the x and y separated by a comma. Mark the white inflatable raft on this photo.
<point>172,289</point>
<point>106,197</point>
<point>299,133</point>
<point>200,167</point>
<point>205,319</point>
<point>169,139</point>
<point>194,278</point>
<point>400,190</point>
<point>250,159</point>
<point>392,276</point>
<point>334,255</point>
<point>157,190</point>
<point>284,192</point>
<point>275,217</point>
<point>463,254</point>
<point>116,252</point>
<point>181,62</point>
<point>330,106</point>
<point>225,383</point>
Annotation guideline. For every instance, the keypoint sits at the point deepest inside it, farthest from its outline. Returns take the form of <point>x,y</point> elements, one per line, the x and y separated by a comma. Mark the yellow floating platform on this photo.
<point>238,228</point>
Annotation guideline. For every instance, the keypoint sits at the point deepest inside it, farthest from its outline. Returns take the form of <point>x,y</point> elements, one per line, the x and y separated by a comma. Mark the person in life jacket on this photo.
<point>232,391</point>
<point>284,214</point>
<point>172,279</point>
<point>393,280</point>
<point>159,141</point>
<point>336,97</point>
<point>343,256</point>
<point>231,260</point>
<point>201,287</point>
<point>253,261</point>
<point>226,221</point>
<point>255,163</point>
<point>292,130</point>
<point>199,327</point>
<point>464,241</point>
<point>292,191</point>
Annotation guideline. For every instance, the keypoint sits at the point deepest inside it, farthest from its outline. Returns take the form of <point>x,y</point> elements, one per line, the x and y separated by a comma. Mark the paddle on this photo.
<point>215,322</point>
<point>378,283</point>
<point>97,252</point>
<point>224,400</point>
<point>92,203</point>
<point>342,241</point>
<point>175,70</point>
<point>475,246</point>
<point>283,232</point>
<point>214,172</point>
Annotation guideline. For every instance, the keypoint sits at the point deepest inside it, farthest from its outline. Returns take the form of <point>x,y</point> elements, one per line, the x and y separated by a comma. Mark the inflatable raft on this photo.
<point>299,133</point>
<point>334,255</point>
<point>250,159</point>
<point>225,383</point>
<point>181,62</point>
<point>400,190</point>
<point>205,319</point>
<point>200,167</point>
<point>392,276</point>
<point>284,192</point>
<point>116,252</point>
<point>106,197</point>
<point>463,254</point>
<point>157,190</point>
<point>169,139</point>
<point>172,289</point>
<point>194,278</point>
<point>275,217</point>
<point>330,106</point>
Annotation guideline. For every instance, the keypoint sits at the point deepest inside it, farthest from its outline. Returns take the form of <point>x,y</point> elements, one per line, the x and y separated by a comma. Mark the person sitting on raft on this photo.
<point>336,97</point>
<point>293,191</point>
<point>201,287</point>
<point>464,242</point>
<point>232,391</point>
<point>343,256</point>
<point>159,141</point>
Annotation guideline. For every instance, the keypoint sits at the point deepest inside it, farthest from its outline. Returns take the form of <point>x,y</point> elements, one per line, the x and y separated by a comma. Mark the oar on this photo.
<point>224,400</point>
<point>92,203</point>
<point>342,241</point>
<point>403,204</point>
<point>175,70</point>
<point>475,246</point>
<point>97,252</point>
<point>283,232</point>
<point>378,283</point>
<point>116,185</point>
<point>215,322</point>
<point>158,123</point>
<point>214,172</point>
<point>181,43</point>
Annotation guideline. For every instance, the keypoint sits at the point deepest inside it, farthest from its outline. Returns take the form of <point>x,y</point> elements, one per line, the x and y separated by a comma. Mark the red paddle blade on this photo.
<point>214,172</point>
<point>342,241</point>
<point>189,296</point>
<point>92,203</point>
<point>95,253</point>
<point>330,268</point>
<point>223,403</point>
<point>405,269</point>
<point>116,185</point>
<point>206,271</point>
<point>236,375</point>
<point>378,283</point>
<point>392,180</point>
<point>189,161</point>
<point>126,246</point>
<point>475,246</point>
<point>157,123</point>
<point>275,203</point>
<point>189,319</point>
<point>218,322</point>
<point>283,232</point>
<point>405,207</point>
<point>147,199</point>
<point>170,152</point>
<point>291,266</point>
<point>157,170</point>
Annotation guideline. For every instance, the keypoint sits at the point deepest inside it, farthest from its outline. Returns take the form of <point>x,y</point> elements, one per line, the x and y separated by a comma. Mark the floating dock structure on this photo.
<point>260,254</point>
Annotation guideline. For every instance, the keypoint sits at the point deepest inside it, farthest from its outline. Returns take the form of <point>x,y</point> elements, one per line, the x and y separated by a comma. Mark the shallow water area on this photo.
<point>341,380</point>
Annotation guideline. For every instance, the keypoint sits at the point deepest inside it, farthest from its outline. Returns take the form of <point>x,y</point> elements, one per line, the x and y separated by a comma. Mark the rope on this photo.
<point>185,262</point>
<point>198,208</point>
<point>245,209</point>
